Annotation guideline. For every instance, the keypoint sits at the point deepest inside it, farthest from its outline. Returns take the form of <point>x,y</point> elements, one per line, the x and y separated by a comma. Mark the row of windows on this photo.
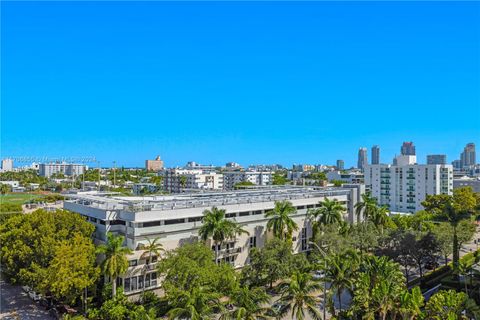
<point>136,283</point>
<point>228,215</point>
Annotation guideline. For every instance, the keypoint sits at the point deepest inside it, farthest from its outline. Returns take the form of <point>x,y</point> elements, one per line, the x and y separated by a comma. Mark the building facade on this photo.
<point>407,149</point>
<point>181,180</point>
<point>340,165</point>
<point>468,156</point>
<point>259,178</point>
<point>175,219</point>
<point>7,165</point>
<point>67,169</point>
<point>362,158</point>
<point>375,155</point>
<point>403,187</point>
<point>436,159</point>
<point>473,183</point>
<point>154,165</point>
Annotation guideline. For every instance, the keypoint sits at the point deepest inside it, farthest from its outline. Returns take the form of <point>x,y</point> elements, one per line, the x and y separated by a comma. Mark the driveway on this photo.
<point>15,304</point>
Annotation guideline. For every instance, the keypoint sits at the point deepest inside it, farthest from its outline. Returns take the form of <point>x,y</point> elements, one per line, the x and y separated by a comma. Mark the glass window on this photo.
<point>140,282</point>
<point>133,283</point>
<point>132,263</point>
<point>174,221</point>
<point>126,287</point>
<point>147,280</point>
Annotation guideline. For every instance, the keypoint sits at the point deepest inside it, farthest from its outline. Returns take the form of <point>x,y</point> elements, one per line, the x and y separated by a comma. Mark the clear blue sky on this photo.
<point>251,82</point>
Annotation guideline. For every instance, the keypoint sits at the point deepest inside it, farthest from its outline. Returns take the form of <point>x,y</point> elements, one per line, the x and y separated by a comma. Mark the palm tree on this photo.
<point>248,304</point>
<point>217,227</point>
<point>338,272</point>
<point>197,304</point>
<point>298,296</point>
<point>115,262</point>
<point>410,304</point>
<point>280,220</point>
<point>366,207</point>
<point>379,216</point>
<point>153,248</point>
<point>328,212</point>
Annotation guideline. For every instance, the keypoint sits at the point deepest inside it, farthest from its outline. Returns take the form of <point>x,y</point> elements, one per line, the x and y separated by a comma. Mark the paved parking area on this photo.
<point>16,304</point>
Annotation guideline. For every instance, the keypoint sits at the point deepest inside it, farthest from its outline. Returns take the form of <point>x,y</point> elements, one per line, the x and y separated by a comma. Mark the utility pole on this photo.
<point>98,162</point>
<point>324,280</point>
<point>114,170</point>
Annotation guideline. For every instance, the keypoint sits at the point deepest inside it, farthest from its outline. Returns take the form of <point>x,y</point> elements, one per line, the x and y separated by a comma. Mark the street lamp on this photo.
<point>324,280</point>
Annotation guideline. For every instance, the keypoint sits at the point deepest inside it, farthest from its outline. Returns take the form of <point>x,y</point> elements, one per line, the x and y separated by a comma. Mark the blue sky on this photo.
<point>251,82</point>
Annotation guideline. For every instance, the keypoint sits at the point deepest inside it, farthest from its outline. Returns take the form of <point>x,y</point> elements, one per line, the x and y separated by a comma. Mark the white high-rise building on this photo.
<point>7,165</point>
<point>403,186</point>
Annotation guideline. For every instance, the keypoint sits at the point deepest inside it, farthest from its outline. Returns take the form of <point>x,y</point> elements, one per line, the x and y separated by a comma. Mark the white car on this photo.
<point>34,296</point>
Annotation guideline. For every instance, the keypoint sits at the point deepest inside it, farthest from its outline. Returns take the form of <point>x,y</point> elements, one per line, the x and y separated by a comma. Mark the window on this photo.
<point>300,207</point>
<point>153,278</point>
<point>257,212</point>
<point>245,213</point>
<point>194,219</point>
<point>126,287</point>
<point>102,222</point>
<point>147,280</point>
<point>94,220</point>
<point>231,215</point>
<point>151,224</point>
<point>132,263</point>
<point>174,221</point>
<point>303,236</point>
<point>117,222</point>
<point>133,283</point>
<point>252,242</point>
<point>140,282</point>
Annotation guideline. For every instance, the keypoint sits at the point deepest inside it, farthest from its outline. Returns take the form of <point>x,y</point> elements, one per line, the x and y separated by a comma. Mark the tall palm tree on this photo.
<point>339,270</point>
<point>197,304</point>
<point>328,212</point>
<point>216,226</point>
<point>366,207</point>
<point>249,304</point>
<point>153,248</point>
<point>280,220</point>
<point>298,296</point>
<point>115,262</point>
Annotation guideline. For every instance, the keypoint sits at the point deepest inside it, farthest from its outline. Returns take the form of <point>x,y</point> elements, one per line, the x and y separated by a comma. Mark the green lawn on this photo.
<point>17,198</point>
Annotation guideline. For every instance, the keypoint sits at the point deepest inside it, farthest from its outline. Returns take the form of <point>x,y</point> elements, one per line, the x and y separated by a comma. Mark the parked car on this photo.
<point>26,289</point>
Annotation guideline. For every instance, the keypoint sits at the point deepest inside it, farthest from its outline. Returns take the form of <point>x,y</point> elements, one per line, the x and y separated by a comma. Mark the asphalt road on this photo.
<point>16,304</point>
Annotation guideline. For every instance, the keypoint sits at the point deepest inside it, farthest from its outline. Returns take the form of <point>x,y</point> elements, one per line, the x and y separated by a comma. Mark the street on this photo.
<point>16,304</point>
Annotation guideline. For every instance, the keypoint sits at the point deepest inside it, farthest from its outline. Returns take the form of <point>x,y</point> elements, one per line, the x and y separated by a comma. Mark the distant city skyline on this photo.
<point>249,82</point>
<point>171,161</point>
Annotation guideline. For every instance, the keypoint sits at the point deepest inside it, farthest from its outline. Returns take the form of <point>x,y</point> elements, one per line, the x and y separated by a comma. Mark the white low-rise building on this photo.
<point>259,178</point>
<point>68,169</point>
<point>176,219</point>
<point>347,177</point>
<point>403,186</point>
<point>179,180</point>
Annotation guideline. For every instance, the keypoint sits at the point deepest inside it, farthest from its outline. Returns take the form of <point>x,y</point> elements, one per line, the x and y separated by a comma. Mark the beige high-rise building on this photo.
<point>154,165</point>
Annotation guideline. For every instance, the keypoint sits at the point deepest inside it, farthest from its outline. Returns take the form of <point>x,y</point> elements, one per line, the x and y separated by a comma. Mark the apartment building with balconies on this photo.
<point>402,187</point>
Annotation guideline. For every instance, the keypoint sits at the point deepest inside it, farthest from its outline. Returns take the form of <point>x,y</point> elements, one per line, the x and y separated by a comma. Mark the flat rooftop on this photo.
<point>110,201</point>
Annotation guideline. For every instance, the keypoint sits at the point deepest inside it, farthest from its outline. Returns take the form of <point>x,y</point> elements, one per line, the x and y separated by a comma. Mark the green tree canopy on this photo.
<point>38,247</point>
